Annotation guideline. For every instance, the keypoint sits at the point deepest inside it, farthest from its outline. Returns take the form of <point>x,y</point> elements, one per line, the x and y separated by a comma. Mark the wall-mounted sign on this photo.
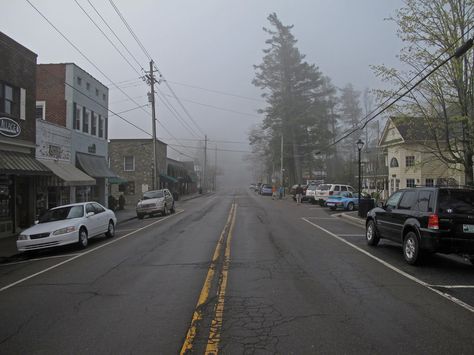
<point>9,128</point>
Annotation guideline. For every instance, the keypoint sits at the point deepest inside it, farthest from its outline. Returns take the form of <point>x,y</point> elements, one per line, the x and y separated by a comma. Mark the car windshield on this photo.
<point>62,213</point>
<point>456,201</point>
<point>153,194</point>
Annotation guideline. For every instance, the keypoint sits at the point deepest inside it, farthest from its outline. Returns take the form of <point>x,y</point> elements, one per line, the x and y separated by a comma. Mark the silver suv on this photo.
<point>155,201</point>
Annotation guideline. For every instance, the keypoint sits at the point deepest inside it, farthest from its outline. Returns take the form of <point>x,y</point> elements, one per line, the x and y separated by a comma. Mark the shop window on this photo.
<point>127,188</point>
<point>409,161</point>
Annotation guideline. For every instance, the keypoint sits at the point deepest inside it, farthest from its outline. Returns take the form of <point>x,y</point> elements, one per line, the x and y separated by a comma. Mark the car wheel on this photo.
<point>140,215</point>
<point>83,238</point>
<point>110,230</point>
<point>411,248</point>
<point>165,211</point>
<point>350,206</point>
<point>371,234</point>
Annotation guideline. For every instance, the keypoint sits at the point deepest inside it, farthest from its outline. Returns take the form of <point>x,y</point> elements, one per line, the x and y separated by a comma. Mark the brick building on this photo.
<point>132,160</point>
<point>21,175</point>
<point>69,97</point>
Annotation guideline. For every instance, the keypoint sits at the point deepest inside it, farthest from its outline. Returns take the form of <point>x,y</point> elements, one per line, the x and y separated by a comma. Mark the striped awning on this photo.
<point>68,173</point>
<point>21,163</point>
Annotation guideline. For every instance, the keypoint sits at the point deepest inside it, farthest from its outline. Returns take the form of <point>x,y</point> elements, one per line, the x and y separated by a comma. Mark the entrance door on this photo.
<point>22,202</point>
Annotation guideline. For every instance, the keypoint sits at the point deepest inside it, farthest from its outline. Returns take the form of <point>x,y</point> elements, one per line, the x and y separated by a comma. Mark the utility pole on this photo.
<point>151,98</point>
<point>281,160</point>
<point>215,167</point>
<point>205,164</point>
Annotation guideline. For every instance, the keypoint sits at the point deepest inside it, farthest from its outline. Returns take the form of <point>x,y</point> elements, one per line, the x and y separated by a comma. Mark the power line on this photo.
<point>220,149</point>
<point>220,108</point>
<point>217,91</point>
<point>458,53</point>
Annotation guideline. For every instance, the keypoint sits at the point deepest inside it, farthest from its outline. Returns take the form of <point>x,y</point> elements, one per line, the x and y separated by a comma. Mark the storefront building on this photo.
<point>21,175</point>
<point>67,96</point>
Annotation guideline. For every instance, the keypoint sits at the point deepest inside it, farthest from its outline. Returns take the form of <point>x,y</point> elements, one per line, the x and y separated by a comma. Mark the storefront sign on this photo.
<point>9,128</point>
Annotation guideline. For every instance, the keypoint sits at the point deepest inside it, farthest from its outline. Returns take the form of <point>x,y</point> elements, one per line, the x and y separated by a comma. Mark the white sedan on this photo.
<point>74,223</point>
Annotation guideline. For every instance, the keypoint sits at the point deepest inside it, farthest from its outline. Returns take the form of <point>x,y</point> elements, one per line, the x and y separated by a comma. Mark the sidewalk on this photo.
<point>8,245</point>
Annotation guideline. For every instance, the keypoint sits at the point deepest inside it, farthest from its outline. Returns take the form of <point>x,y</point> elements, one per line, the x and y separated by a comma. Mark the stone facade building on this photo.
<point>132,160</point>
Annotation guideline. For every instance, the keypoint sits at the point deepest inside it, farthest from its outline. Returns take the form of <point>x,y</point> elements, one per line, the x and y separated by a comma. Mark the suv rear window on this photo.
<point>324,187</point>
<point>456,201</point>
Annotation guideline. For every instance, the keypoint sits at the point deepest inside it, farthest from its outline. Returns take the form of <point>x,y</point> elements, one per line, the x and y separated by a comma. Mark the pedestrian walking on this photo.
<point>280,191</point>
<point>299,193</point>
<point>274,190</point>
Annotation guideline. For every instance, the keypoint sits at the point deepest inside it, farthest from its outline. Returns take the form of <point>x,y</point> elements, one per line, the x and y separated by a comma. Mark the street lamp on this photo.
<point>360,145</point>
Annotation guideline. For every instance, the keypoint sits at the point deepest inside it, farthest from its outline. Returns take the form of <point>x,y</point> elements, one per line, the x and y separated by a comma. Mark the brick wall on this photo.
<point>18,69</point>
<point>50,87</point>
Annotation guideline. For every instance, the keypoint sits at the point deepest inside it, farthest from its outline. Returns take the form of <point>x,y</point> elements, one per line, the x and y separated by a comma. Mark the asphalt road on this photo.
<point>236,273</point>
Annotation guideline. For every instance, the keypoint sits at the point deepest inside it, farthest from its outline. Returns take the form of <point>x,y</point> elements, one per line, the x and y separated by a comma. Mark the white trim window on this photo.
<point>101,127</point>
<point>129,163</point>
<point>409,161</point>
<point>94,119</point>
<point>411,183</point>
<point>78,118</point>
<point>40,112</point>
<point>86,121</point>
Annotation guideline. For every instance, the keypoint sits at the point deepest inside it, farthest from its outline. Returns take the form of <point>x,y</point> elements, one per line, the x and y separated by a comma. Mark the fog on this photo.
<point>206,51</point>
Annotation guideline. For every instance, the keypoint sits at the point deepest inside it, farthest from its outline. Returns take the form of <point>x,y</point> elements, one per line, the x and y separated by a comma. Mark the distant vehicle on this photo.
<point>344,200</point>
<point>68,224</point>
<point>311,192</point>
<point>425,220</point>
<point>155,201</point>
<point>266,190</point>
<point>253,187</point>
<point>323,192</point>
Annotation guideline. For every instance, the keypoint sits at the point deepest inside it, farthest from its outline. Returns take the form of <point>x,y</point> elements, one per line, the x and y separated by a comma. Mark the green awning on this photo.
<point>117,180</point>
<point>21,163</point>
<point>168,178</point>
<point>68,173</point>
<point>94,165</point>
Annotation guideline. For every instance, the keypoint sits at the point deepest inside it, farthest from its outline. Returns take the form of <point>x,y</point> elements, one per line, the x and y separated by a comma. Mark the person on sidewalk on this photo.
<point>299,193</point>
<point>274,189</point>
<point>280,191</point>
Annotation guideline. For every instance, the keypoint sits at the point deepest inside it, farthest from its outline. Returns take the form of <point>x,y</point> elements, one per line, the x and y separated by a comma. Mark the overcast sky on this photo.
<point>209,44</point>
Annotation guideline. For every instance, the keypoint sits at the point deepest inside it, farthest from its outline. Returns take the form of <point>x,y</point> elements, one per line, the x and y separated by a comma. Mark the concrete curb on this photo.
<point>352,219</point>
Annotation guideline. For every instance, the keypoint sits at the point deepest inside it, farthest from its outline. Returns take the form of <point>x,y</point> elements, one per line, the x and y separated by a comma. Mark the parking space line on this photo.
<point>115,240</point>
<point>351,235</point>
<point>453,286</point>
<point>39,259</point>
<point>401,272</point>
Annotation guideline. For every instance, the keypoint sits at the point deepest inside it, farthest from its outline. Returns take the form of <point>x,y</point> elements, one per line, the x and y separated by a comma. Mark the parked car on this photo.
<point>323,192</point>
<point>343,200</point>
<point>266,190</point>
<point>425,220</point>
<point>155,201</point>
<point>68,224</point>
<point>310,193</point>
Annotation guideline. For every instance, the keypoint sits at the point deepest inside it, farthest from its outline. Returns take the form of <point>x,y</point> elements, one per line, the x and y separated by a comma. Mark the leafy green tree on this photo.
<point>297,96</point>
<point>431,31</point>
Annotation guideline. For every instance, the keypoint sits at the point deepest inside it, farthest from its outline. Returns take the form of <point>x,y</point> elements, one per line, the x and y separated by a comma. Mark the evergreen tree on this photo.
<point>298,105</point>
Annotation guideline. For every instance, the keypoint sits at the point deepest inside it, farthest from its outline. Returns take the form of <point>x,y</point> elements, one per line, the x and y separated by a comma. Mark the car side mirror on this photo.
<point>36,222</point>
<point>381,204</point>
<point>89,214</point>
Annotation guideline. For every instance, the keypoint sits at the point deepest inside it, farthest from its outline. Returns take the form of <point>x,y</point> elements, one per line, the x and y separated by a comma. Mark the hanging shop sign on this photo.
<point>9,128</point>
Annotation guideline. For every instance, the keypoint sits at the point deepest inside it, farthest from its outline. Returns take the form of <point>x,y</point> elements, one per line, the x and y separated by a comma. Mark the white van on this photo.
<point>323,191</point>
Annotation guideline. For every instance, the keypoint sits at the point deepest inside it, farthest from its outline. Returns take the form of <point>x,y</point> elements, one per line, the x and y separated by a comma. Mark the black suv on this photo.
<point>426,219</point>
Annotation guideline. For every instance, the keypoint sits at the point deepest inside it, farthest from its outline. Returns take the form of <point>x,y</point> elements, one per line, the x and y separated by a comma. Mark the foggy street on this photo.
<point>237,271</point>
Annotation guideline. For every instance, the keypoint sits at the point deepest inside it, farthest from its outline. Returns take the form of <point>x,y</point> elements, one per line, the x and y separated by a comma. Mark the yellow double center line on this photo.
<point>216,324</point>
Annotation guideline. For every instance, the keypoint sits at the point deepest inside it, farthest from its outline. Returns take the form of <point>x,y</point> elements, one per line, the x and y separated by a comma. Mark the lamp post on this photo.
<point>360,145</point>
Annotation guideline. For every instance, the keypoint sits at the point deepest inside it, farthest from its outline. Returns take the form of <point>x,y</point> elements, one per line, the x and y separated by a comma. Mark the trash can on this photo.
<point>366,204</point>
